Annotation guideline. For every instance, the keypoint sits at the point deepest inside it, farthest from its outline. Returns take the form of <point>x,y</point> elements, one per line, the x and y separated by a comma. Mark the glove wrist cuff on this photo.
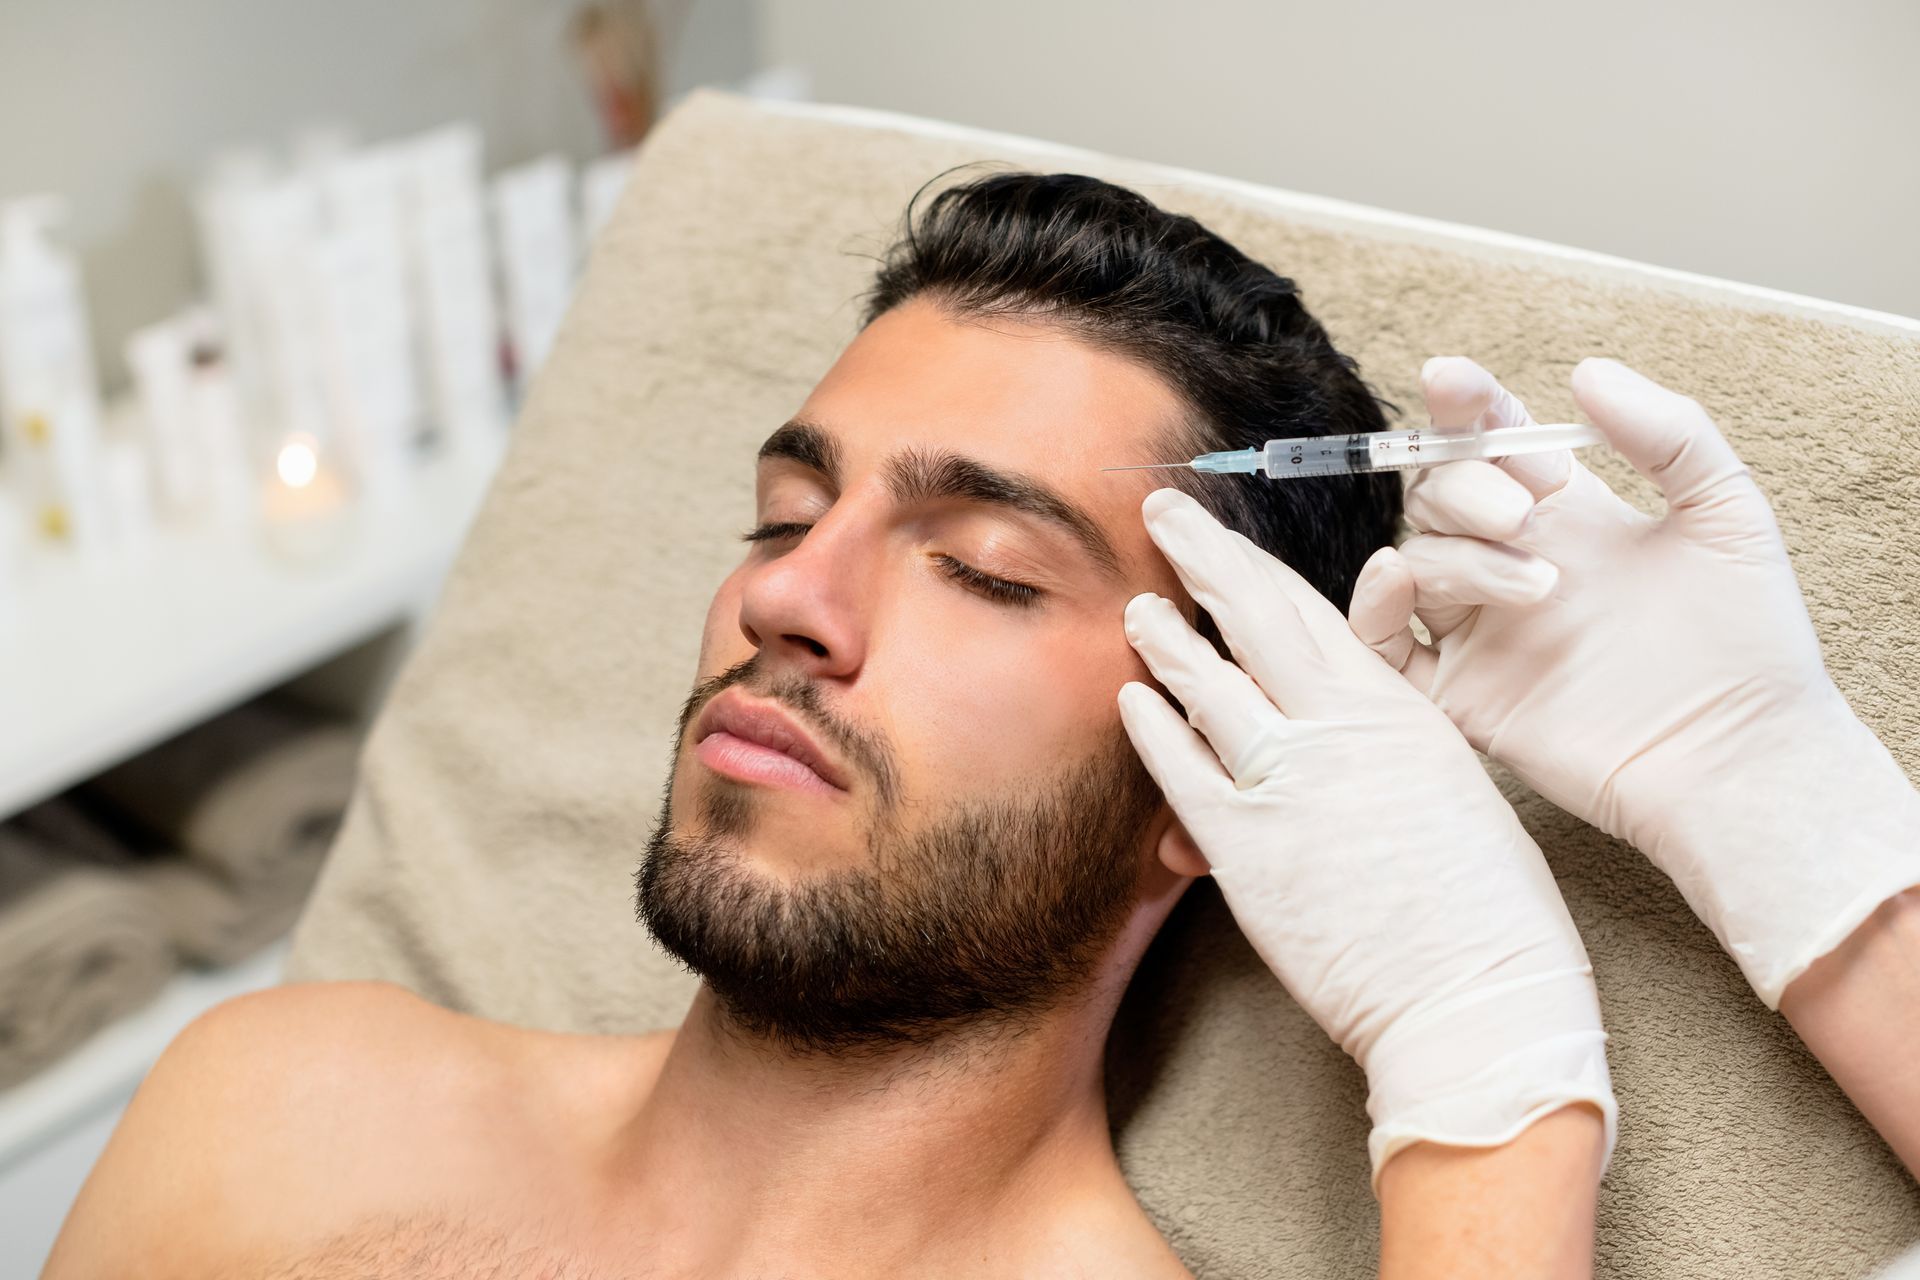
<point>1794,847</point>
<point>1475,1070</point>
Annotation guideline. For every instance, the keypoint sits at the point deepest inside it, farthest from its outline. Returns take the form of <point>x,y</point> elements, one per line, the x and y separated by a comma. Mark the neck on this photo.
<point>985,1152</point>
<point>746,1156</point>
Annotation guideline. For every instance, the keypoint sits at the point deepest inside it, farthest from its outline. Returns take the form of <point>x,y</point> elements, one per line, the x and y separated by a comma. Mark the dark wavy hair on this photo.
<point>1229,335</point>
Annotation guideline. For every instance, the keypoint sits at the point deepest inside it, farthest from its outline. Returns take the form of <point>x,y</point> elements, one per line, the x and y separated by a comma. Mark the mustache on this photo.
<point>866,752</point>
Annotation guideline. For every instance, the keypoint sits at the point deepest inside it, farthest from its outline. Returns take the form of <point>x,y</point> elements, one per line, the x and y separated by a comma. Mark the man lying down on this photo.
<point>906,843</point>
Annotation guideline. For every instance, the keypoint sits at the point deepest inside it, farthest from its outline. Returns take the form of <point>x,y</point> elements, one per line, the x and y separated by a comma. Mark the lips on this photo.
<point>765,724</point>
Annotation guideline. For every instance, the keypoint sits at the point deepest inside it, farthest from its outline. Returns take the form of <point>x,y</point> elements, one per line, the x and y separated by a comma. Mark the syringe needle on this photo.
<point>1148,466</point>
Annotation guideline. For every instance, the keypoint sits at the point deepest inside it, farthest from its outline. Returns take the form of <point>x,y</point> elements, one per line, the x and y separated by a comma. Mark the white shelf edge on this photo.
<point>399,557</point>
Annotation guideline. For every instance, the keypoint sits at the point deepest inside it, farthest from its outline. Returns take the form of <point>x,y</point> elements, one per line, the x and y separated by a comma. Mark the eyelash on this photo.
<point>1018,594</point>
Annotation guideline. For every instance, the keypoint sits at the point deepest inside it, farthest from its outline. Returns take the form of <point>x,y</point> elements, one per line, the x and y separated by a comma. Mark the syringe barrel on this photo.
<point>1425,446</point>
<point>1316,456</point>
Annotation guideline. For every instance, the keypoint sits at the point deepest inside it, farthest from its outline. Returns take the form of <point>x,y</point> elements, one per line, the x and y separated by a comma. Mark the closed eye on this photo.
<point>765,532</point>
<point>1014,593</point>
<point>1018,594</point>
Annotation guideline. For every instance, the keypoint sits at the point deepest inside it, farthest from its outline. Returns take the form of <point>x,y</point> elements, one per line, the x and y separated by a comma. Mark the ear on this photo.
<point>1179,854</point>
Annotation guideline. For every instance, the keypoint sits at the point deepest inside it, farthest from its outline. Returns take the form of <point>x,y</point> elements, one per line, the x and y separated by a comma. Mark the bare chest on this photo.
<point>435,1246</point>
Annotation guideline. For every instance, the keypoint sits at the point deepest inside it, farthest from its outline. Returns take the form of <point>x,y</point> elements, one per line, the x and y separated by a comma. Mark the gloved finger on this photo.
<point>1438,620</point>
<point>1379,612</point>
<point>1381,605</point>
<point>1450,570</point>
<point>1242,726</point>
<point>1471,497</point>
<point>1187,771</point>
<point>1442,621</point>
<point>1459,392</point>
<point>1667,437</point>
<point>1287,636</point>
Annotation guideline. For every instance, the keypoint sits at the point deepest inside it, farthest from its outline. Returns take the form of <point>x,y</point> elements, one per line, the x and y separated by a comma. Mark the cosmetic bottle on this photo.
<point>366,331</point>
<point>533,211</point>
<point>451,257</point>
<point>49,397</point>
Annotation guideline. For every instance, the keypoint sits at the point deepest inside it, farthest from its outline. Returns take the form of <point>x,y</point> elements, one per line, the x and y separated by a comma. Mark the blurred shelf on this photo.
<point>107,1067</point>
<point>98,662</point>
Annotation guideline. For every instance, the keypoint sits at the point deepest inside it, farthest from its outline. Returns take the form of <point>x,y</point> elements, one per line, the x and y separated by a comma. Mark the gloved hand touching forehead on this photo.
<point>1363,850</point>
<point>1657,677</point>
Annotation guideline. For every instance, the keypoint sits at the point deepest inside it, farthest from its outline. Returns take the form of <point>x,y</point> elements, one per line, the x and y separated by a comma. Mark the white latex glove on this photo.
<point>1364,850</point>
<point>1666,685</point>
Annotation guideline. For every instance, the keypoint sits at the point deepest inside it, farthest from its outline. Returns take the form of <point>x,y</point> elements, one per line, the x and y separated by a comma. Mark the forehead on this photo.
<point>1014,393</point>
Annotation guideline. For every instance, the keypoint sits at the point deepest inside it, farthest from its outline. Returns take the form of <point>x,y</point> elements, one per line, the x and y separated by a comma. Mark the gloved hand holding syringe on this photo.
<point>1657,677</point>
<point>1665,683</point>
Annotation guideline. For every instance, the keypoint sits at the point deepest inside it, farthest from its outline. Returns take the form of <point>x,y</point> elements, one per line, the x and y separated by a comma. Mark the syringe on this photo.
<point>1386,450</point>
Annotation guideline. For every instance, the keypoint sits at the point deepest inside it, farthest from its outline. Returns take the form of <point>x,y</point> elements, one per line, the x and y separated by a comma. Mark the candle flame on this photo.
<point>298,462</point>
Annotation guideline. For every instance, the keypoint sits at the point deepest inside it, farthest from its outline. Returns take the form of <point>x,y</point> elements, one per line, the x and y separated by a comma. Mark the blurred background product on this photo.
<point>190,419</point>
<point>445,225</point>
<point>49,397</point>
<point>358,229</point>
<point>619,44</point>
<point>533,207</point>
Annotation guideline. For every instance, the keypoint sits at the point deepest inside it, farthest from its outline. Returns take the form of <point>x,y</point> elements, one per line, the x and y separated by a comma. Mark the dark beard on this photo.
<point>997,912</point>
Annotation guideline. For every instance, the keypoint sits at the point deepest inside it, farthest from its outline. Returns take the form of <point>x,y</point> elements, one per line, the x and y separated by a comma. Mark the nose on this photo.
<point>802,606</point>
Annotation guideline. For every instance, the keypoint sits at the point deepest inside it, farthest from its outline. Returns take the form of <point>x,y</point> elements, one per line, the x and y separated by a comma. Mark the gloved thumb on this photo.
<point>1667,437</point>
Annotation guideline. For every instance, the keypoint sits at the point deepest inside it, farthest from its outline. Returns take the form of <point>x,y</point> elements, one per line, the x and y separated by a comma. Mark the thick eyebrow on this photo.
<point>917,475</point>
<point>807,443</point>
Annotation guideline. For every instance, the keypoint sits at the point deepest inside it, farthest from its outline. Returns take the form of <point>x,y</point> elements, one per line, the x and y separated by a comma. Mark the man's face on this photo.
<point>988,838</point>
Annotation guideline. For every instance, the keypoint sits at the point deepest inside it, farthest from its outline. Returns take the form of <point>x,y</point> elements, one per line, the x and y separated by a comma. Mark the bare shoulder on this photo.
<point>1106,1235</point>
<point>291,1114</point>
<point>256,1118</point>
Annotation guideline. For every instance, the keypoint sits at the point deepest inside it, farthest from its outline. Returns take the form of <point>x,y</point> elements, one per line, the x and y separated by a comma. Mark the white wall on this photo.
<point>1770,142</point>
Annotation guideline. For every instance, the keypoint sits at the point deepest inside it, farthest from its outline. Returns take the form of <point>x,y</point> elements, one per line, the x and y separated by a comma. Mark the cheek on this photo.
<point>1006,704</point>
<point>722,642</point>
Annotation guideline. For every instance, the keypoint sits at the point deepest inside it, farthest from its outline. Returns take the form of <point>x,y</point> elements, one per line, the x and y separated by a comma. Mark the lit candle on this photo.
<point>304,507</point>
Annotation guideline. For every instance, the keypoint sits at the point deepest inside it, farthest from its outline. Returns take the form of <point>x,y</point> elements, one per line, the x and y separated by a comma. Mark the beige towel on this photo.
<point>79,947</point>
<point>487,858</point>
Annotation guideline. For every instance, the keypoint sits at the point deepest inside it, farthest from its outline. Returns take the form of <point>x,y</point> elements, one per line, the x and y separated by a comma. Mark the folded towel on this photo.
<point>260,786</point>
<point>203,849</point>
<point>214,922</point>
<point>79,947</point>
<point>225,826</point>
<point>212,918</point>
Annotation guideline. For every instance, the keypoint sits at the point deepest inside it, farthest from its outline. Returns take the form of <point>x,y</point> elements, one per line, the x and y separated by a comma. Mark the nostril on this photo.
<point>814,647</point>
